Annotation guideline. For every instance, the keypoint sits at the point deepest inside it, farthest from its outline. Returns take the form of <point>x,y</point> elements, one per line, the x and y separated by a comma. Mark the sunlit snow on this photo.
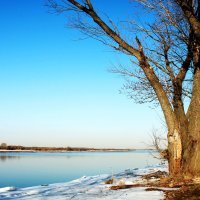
<point>89,188</point>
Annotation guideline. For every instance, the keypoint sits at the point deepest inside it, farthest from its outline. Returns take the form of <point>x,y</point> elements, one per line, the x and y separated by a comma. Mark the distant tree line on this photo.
<point>23,148</point>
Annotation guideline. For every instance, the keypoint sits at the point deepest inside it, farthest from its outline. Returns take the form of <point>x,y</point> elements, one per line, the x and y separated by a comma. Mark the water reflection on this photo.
<point>3,158</point>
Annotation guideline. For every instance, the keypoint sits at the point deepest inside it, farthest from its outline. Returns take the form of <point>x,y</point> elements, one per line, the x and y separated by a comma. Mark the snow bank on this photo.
<point>88,188</point>
<point>7,189</point>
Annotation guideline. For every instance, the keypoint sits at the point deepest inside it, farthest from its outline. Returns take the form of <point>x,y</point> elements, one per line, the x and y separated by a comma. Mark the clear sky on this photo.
<point>57,91</point>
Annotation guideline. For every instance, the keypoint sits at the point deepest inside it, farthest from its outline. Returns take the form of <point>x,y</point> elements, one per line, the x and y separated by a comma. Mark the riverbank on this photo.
<point>12,148</point>
<point>132,184</point>
<point>90,188</point>
<point>61,151</point>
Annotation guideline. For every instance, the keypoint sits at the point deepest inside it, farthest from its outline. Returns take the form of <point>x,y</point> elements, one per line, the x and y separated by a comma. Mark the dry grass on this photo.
<point>188,192</point>
<point>109,181</point>
<point>185,190</point>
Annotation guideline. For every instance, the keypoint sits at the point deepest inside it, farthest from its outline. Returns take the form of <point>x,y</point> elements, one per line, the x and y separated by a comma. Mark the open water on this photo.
<point>29,169</point>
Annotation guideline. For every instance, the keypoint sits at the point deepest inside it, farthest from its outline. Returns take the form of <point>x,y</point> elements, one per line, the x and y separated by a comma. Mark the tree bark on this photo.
<point>191,142</point>
<point>191,156</point>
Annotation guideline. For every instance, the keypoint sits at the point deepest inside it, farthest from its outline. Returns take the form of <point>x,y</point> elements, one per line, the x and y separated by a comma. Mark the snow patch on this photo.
<point>7,189</point>
<point>88,188</point>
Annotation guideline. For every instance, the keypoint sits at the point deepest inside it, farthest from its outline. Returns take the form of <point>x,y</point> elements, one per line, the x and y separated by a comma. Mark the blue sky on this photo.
<point>57,91</point>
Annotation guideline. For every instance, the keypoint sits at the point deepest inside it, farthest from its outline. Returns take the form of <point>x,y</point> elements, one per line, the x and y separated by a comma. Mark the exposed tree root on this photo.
<point>173,188</point>
<point>189,192</point>
<point>159,174</point>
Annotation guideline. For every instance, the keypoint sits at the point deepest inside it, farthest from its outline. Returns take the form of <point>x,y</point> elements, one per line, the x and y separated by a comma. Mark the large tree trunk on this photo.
<point>184,144</point>
<point>184,134</point>
<point>191,156</point>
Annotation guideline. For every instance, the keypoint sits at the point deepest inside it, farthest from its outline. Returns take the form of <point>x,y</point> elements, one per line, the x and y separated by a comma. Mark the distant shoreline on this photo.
<point>55,151</point>
<point>61,149</point>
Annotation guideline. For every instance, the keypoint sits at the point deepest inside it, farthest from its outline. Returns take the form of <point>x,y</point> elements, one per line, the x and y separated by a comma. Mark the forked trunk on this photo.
<point>184,152</point>
<point>184,138</point>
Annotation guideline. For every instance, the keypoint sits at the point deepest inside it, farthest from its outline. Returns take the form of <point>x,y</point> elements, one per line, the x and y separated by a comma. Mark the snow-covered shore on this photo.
<point>89,188</point>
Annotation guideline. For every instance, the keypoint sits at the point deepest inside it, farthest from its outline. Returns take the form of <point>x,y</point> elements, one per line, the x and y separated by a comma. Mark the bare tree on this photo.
<point>3,145</point>
<point>165,57</point>
<point>159,143</point>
